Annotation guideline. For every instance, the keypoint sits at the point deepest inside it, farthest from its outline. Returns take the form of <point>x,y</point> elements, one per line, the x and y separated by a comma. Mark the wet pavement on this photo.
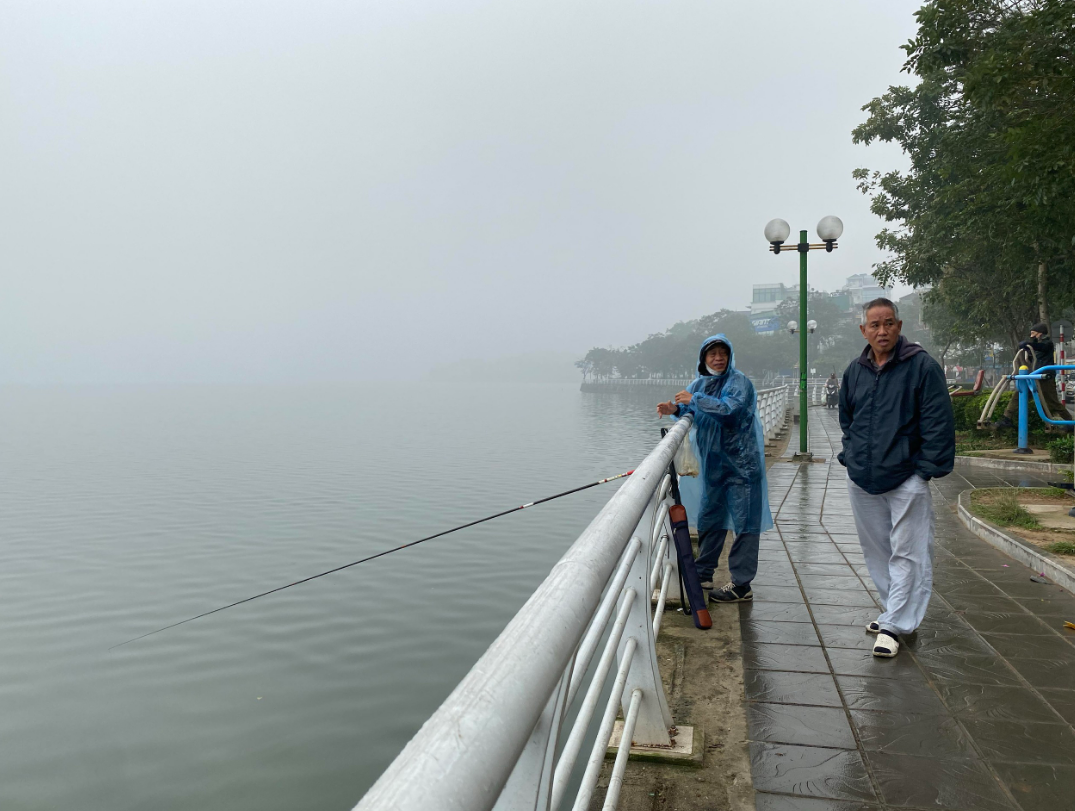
<point>975,713</point>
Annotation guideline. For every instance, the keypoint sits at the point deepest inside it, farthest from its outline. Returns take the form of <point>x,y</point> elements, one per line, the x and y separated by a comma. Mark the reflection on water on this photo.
<point>126,510</point>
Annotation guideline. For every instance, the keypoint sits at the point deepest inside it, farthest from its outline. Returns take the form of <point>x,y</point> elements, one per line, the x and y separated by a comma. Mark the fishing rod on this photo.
<point>380,555</point>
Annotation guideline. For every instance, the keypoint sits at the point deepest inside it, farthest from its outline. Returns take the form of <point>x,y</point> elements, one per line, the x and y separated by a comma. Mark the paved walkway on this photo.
<point>974,714</point>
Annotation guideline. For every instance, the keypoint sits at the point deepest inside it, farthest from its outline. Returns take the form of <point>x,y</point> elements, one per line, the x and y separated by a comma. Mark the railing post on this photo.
<point>654,717</point>
<point>1023,392</point>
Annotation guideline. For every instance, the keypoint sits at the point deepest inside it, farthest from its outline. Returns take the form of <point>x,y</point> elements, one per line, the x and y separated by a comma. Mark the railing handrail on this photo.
<point>464,754</point>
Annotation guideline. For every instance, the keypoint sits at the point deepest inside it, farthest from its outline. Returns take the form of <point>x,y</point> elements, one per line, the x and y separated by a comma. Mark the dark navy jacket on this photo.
<point>1043,349</point>
<point>896,421</point>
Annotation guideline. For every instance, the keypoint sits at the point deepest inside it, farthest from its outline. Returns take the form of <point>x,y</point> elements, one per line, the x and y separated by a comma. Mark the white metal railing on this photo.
<point>772,406</point>
<point>815,390</point>
<point>495,741</point>
<point>641,381</point>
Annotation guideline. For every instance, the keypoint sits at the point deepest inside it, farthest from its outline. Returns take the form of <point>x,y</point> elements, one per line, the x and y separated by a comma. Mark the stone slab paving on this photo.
<point>975,714</point>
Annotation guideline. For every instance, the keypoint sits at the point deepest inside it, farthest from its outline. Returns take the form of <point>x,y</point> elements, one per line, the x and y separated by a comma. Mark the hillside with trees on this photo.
<point>674,352</point>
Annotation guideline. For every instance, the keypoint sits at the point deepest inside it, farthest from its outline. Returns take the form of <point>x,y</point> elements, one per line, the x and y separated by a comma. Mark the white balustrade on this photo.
<point>492,744</point>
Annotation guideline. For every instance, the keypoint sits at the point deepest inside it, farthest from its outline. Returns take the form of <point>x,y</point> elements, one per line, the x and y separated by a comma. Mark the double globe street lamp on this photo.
<point>811,325</point>
<point>776,234</point>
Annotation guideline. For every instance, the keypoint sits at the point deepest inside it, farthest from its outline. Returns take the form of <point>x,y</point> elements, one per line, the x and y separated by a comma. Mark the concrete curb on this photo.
<point>1011,464</point>
<point>1060,572</point>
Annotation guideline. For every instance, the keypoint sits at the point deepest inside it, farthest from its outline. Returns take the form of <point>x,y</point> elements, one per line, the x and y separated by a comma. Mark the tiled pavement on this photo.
<point>974,714</point>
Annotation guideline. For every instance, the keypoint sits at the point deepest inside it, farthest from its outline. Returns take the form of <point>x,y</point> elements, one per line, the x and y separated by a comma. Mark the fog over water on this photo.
<point>334,191</point>
<point>287,284</point>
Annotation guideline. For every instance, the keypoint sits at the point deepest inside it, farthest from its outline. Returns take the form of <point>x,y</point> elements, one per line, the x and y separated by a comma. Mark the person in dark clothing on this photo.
<point>1042,346</point>
<point>832,391</point>
<point>898,433</point>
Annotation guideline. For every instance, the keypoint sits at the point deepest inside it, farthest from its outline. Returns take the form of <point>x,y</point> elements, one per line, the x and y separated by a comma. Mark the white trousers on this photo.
<point>896,534</point>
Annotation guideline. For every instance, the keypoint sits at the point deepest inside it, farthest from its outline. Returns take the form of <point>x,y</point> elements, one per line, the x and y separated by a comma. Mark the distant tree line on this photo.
<point>674,352</point>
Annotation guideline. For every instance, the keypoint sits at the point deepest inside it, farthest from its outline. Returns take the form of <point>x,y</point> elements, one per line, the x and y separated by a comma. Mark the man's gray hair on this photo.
<point>880,302</point>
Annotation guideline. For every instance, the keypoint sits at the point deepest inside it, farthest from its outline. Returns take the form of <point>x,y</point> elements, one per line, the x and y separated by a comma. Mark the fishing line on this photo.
<point>379,555</point>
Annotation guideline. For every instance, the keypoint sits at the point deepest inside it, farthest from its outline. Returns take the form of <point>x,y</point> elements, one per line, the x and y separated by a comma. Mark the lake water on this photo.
<point>124,510</point>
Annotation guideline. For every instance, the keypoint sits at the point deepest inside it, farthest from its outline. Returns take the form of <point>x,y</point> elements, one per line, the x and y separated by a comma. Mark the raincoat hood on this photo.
<point>707,344</point>
<point>729,441</point>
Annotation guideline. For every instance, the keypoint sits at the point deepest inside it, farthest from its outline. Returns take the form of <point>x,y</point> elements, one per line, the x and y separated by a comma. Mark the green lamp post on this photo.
<point>776,233</point>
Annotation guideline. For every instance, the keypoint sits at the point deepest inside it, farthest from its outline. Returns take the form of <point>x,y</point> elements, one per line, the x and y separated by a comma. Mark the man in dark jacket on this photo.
<point>898,433</point>
<point>1042,346</point>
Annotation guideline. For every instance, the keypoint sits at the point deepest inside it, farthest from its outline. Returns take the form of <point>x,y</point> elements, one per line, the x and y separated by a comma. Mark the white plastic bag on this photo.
<point>685,460</point>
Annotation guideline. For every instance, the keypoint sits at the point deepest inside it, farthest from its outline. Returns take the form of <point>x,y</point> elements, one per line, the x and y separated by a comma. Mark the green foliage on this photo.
<point>674,352</point>
<point>968,410</point>
<point>1061,450</point>
<point>833,345</point>
<point>989,130</point>
<point>1061,548</point>
<point>1007,511</point>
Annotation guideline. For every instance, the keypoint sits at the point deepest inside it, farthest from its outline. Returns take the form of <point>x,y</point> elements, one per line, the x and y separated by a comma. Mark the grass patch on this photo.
<point>967,442</point>
<point>1006,510</point>
<point>1061,548</point>
<point>990,496</point>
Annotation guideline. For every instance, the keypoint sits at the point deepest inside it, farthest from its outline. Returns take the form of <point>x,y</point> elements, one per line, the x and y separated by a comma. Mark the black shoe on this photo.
<point>731,593</point>
<point>1003,422</point>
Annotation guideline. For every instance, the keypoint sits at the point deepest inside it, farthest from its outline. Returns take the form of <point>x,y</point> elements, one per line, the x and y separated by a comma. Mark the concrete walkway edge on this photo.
<point>1025,553</point>
<point>1012,464</point>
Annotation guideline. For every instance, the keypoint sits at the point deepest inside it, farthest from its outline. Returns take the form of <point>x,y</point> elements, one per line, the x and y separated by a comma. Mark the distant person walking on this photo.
<point>730,445</point>
<point>898,433</point>
<point>832,391</point>
<point>1042,346</point>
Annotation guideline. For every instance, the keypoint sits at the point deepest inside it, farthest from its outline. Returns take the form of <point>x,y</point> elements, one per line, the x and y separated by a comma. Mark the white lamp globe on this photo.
<point>776,231</point>
<point>811,325</point>
<point>792,326</point>
<point>830,228</point>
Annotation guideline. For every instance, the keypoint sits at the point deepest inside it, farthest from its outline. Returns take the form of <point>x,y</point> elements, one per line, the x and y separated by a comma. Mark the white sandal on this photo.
<point>886,645</point>
<point>873,627</point>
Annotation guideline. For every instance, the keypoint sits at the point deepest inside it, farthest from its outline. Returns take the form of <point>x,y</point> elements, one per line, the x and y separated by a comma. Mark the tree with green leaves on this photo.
<point>986,211</point>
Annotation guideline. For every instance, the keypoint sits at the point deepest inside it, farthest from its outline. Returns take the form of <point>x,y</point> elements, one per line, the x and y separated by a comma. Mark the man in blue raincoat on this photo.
<point>730,444</point>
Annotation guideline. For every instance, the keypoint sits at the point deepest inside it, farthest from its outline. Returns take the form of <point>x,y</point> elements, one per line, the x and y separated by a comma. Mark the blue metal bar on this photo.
<point>1044,369</point>
<point>1024,434</point>
<point>1025,380</point>
<point>1041,411</point>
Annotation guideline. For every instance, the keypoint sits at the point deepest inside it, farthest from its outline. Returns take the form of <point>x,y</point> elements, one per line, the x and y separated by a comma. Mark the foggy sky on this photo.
<point>273,191</point>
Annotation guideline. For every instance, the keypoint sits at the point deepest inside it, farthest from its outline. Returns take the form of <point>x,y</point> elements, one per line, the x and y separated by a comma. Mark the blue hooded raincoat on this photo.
<point>728,439</point>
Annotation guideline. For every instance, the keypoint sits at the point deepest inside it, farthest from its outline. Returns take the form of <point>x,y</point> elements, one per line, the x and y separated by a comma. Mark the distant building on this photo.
<point>912,304</point>
<point>863,287</point>
<point>842,299</point>
<point>859,289</point>
<point>767,297</point>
